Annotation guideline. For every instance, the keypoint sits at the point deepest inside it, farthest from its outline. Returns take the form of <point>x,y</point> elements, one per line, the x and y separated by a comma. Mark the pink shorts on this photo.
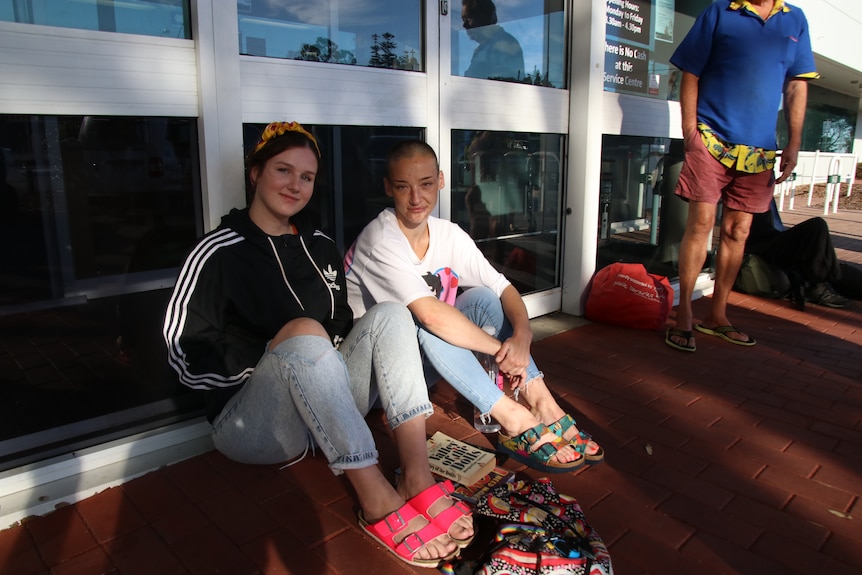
<point>705,179</point>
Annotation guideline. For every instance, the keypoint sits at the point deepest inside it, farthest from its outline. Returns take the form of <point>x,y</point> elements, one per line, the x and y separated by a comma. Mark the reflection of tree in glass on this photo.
<point>383,48</point>
<point>383,51</point>
<point>325,50</point>
<point>836,136</point>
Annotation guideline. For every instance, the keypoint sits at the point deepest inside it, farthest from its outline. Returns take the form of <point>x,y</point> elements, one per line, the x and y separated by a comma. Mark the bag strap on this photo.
<point>582,544</point>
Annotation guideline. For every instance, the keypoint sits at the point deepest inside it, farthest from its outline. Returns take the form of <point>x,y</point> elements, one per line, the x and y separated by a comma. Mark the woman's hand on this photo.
<point>513,359</point>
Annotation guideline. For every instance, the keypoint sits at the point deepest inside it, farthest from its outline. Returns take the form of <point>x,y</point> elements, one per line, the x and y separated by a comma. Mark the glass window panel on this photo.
<point>640,38</point>
<point>640,217</point>
<point>169,18</point>
<point>516,41</point>
<point>96,215</point>
<point>382,34</point>
<point>506,193</point>
<point>830,121</point>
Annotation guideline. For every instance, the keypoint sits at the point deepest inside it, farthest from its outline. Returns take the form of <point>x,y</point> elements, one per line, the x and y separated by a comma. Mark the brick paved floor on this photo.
<point>728,460</point>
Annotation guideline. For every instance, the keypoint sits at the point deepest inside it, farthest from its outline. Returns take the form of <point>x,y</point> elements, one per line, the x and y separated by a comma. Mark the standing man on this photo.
<point>736,61</point>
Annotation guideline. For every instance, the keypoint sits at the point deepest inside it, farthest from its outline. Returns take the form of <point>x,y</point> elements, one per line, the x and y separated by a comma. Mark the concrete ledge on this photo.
<point>39,488</point>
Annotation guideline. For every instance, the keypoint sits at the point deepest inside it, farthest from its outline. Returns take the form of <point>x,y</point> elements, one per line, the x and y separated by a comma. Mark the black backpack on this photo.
<point>759,278</point>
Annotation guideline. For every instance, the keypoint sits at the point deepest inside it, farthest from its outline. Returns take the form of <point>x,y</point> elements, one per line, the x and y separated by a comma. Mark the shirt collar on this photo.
<point>778,6</point>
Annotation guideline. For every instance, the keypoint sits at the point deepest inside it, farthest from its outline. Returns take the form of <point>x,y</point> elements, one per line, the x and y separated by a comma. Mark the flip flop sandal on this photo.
<point>721,331</point>
<point>444,519</point>
<point>520,449</point>
<point>388,531</point>
<point>679,333</point>
<point>580,442</point>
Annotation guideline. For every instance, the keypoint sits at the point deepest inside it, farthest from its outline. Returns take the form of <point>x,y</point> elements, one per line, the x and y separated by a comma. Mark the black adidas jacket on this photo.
<point>237,288</point>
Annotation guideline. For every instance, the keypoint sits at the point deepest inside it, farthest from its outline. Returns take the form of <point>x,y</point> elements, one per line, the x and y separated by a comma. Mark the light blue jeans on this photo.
<point>305,389</point>
<point>459,366</point>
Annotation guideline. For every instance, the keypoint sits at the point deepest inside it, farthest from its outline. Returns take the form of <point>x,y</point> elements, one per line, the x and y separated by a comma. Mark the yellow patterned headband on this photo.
<point>276,129</point>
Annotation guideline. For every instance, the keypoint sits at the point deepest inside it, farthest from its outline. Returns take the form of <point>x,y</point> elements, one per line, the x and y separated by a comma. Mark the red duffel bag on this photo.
<point>628,295</point>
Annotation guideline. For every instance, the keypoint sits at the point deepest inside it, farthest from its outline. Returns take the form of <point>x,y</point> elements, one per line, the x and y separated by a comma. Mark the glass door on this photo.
<point>503,120</point>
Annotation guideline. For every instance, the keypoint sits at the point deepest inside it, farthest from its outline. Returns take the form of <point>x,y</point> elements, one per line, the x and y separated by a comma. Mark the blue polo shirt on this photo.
<point>742,63</point>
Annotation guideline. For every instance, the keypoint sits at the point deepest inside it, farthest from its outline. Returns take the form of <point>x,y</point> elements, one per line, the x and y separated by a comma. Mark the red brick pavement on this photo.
<point>729,460</point>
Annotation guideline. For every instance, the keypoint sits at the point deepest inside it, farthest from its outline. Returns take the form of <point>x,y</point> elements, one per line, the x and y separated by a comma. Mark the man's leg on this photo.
<point>734,231</point>
<point>699,227</point>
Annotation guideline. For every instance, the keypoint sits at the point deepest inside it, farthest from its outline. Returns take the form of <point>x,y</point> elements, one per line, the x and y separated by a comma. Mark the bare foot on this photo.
<point>681,340</point>
<point>565,453</point>
<point>711,322</point>
<point>549,413</point>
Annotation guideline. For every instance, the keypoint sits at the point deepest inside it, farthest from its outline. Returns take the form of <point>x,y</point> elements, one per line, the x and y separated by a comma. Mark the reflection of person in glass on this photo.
<point>673,86</point>
<point>498,55</point>
<point>477,211</point>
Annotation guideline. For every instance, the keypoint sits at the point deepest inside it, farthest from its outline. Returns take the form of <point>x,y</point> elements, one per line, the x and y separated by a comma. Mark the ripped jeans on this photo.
<point>305,389</point>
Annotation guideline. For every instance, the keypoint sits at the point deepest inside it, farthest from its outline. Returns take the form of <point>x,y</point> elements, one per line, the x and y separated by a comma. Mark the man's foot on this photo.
<point>728,333</point>
<point>680,339</point>
<point>824,294</point>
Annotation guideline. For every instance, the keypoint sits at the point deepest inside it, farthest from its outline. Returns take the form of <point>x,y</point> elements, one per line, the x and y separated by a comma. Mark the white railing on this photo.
<point>830,168</point>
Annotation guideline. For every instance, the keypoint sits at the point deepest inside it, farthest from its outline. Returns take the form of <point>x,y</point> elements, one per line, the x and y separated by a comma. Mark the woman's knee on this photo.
<point>390,310</point>
<point>296,327</point>
<point>480,297</point>
<point>387,319</point>
<point>480,293</point>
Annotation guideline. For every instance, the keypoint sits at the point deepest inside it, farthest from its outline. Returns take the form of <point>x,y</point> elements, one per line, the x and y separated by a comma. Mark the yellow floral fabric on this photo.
<point>740,157</point>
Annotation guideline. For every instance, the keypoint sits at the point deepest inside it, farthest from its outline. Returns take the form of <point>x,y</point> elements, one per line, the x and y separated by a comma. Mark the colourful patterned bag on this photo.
<point>542,533</point>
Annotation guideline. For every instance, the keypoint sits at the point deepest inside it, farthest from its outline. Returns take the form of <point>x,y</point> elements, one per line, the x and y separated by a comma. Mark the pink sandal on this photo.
<point>393,533</point>
<point>446,518</point>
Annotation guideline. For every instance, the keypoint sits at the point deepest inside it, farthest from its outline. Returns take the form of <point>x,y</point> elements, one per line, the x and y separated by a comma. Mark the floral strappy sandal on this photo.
<point>580,442</point>
<point>520,448</point>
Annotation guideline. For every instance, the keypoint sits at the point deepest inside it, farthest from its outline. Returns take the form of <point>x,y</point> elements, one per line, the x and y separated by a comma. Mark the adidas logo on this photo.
<point>331,275</point>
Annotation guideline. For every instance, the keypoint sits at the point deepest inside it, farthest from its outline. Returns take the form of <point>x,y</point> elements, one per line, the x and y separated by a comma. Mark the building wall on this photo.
<point>48,70</point>
<point>834,24</point>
